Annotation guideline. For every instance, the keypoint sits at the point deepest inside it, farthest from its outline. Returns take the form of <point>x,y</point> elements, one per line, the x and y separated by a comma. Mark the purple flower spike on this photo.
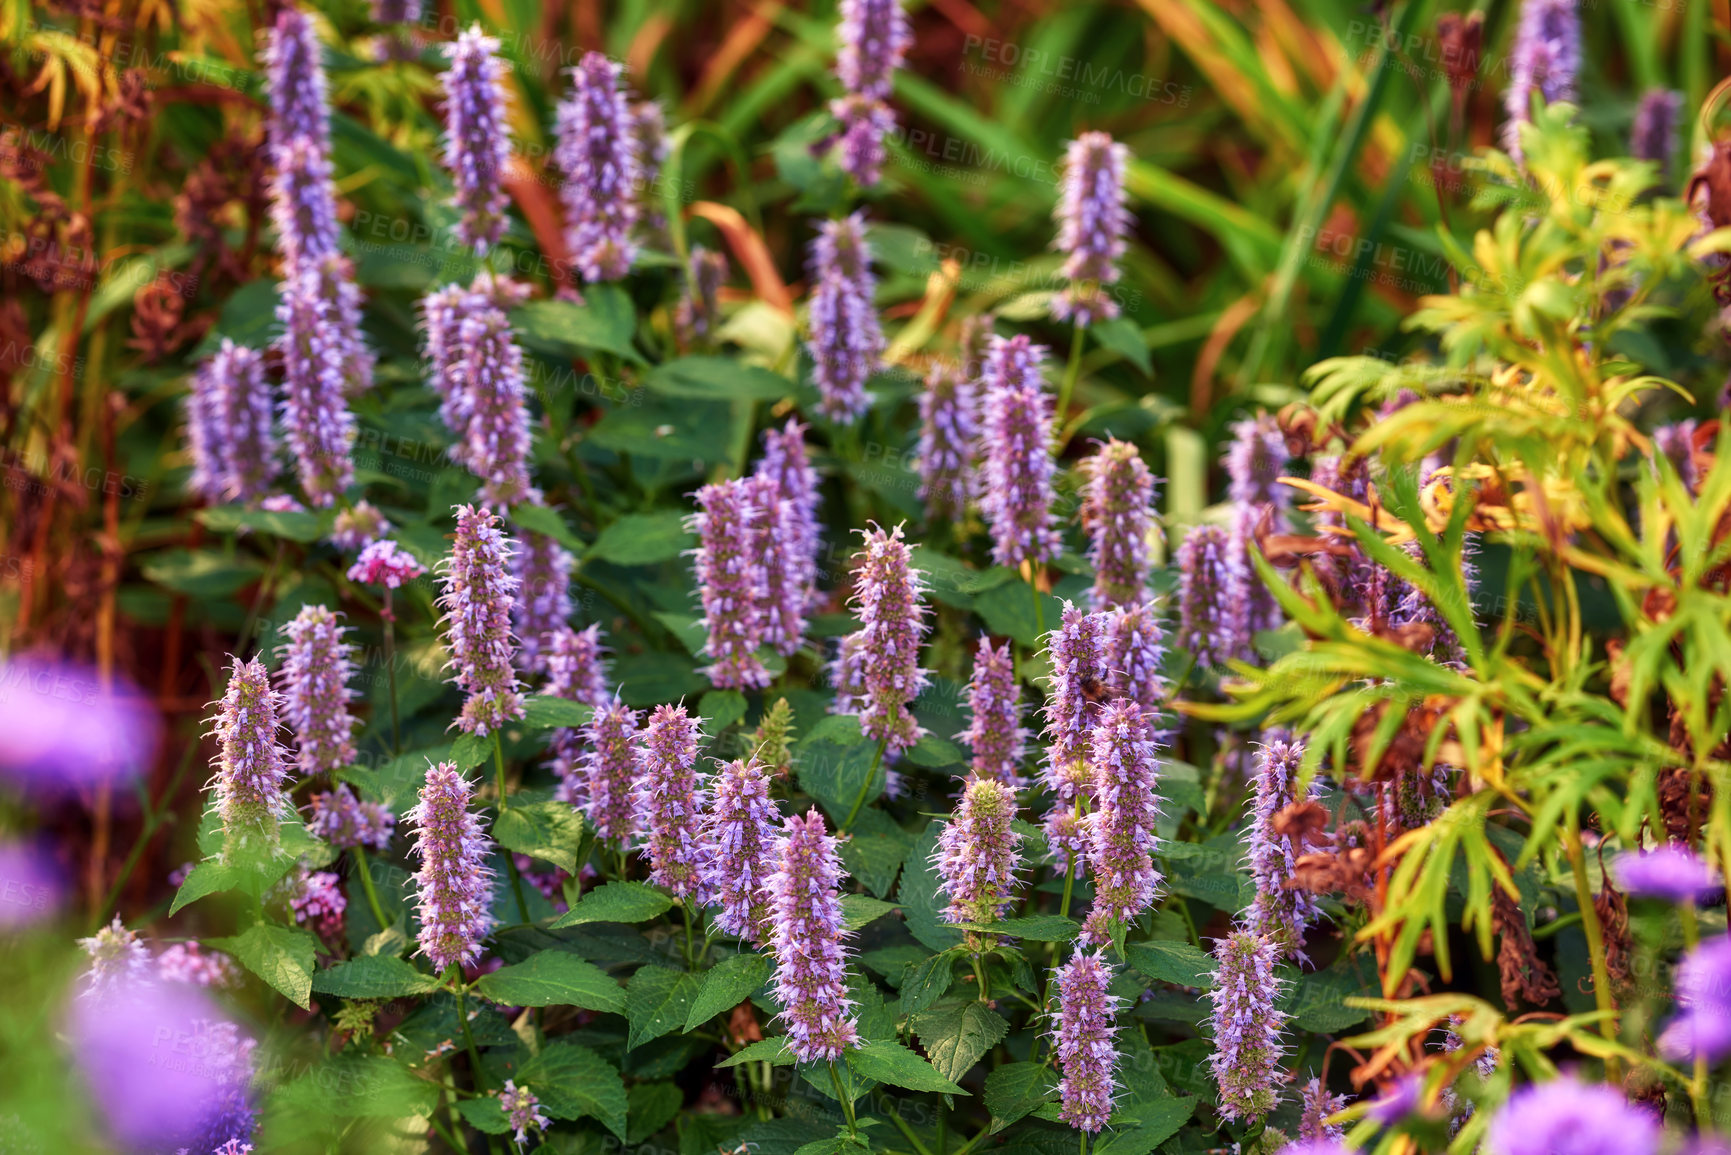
<point>1016,431</point>
<point>479,596</point>
<point>597,153</point>
<point>603,789</point>
<point>786,463</point>
<point>649,138</point>
<point>1703,1027</point>
<point>1076,649</point>
<point>1247,1026</point>
<point>1255,461</point>
<point>316,669</point>
<point>1121,840</point>
<point>976,856</point>
<point>317,902</point>
<point>1654,134</point>
<point>477,137</point>
<point>879,669</point>
<point>494,439</point>
<point>744,830</point>
<point>228,426</point>
<point>995,733</point>
<point>782,571</point>
<point>303,204</point>
<point>670,802</point>
<point>346,822</point>
<point>731,583</point>
<point>1118,513</point>
<point>1545,60</point>
<point>1135,649</point>
<point>522,1111</point>
<point>1280,913</point>
<point>250,764</point>
<point>64,729</point>
<point>543,571</point>
<point>1211,625</point>
<point>846,341</point>
<point>1673,873</point>
<point>1087,1053</point>
<point>1092,221</point>
<point>861,147</point>
<point>807,937</point>
<point>454,887</point>
<point>188,963</point>
<point>1066,833</point>
<point>295,79</point>
<point>1319,1146</point>
<point>874,37</point>
<point>576,665</point>
<point>699,310</point>
<point>118,961</point>
<point>384,563</point>
<point>318,360</point>
<point>1318,1106</point>
<point>1564,1117</point>
<point>949,429</point>
<point>358,526</point>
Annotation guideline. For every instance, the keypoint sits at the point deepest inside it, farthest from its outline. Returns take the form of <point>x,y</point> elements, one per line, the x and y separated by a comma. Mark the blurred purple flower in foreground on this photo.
<point>31,887</point>
<point>59,729</point>
<point>1673,873</point>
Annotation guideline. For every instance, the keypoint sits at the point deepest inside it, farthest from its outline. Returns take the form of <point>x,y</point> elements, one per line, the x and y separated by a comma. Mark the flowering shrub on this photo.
<point>607,692</point>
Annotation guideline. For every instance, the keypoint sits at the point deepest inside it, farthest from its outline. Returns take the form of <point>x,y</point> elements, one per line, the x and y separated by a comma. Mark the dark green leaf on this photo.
<point>294,525</point>
<point>616,902</point>
<point>376,976</point>
<point>1145,1125</point>
<point>890,1062</point>
<point>547,522</point>
<point>204,573</point>
<point>357,1087</point>
<point>717,379</point>
<point>928,982</point>
<point>544,712</point>
<point>919,895</point>
<point>485,1115</point>
<point>720,709</point>
<point>650,1106</point>
<point>552,978</point>
<point>957,1035</point>
<point>1034,928</point>
<point>1124,337</point>
<point>605,320</point>
<point>1009,609</point>
<point>859,909</point>
<point>658,1001</point>
<point>548,830</point>
<point>727,984</point>
<point>875,852</point>
<point>1172,962</point>
<point>208,877</point>
<point>644,539</point>
<point>772,1051</point>
<point>574,1082</point>
<point>1017,1089</point>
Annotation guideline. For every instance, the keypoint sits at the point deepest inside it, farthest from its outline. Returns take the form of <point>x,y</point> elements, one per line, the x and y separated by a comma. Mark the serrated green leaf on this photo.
<point>657,1002</point>
<point>890,1062</point>
<point>772,1051</point>
<point>1034,928</point>
<point>705,378</point>
<point>485,1115</point>
<point>470,750</point>
<point>858,909</point>
<point>956,1035</point>
<point>874,851</point>
<point>545,712</point>
<point>280,955</point>
<point>1172,962</point>
<point>552,978</point>
<point>919,896</point>
<point>574,1082</point>
<point>207,878</point>
<point>375,976</point>
<point>293,525</point>
<point>616,902</point>
<point>1147,1124</point>
<point>550,831</point>
<point>604,320</point>
<point>650,1107</point>
<point>720,709</point>
<point>547,522</point>
<point>1015,1090</point>
<point>727,984</point>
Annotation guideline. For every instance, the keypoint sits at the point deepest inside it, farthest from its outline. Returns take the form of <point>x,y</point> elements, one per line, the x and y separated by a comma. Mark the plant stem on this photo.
<point>980,977</point>
<point>865,787</point>
<point>454,975</point>
<point>1072,370</point>
<point>842,1097</point>
<point>499,767</point>
<point>1039,609</point>
<point>366,872</point>
<point>510,858</point>
<point>908,1132</point>
<point>153,818</point>
<point>1595,935</point>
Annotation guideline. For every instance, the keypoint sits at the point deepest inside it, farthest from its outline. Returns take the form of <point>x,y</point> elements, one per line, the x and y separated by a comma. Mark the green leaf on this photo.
<point>644,539</point>
<point>1009,609</point>
<point>717,379</point>
<point>875,852</point>
<point>720,709</point>
<point>890,1062</point>
<point>1145,1125</point>
<point>282,956</point>
<point>470,750</point>
<point>574,1082</point>
<point>858,909</point>
<point>935,753</point>
<point>1124,337</point>
<point>658,1002</point>
<point>928,982</point>
<point>1034,928</point>
<point>690,631</point>
<point>375,976</point>
<point>726,985</point>
<point>1318,1000</point>
<point>547,522</point>
<point>552,978</point>
<point>1017,1089</point>
<point>616,902</point>
<point>1172,962</point>
<point>650,1106</point>
<point>485,1115</point>
<point>605,320</point>
<point>772,1051</point>
<point>957,1035</point>
<point>202,574</point>
<point>208,877</point>
<point>294,525</point>
<point>550,831</point>
<point>545,712</point>
<point>358,1087</point>
<point>919,895</point>
<point>835,764</point>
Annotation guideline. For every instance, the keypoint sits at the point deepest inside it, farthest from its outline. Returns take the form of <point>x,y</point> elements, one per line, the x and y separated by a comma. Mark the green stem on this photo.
<point>865,787</point>
<point>366,872</point>
<point>980,977</point>
<point>1698,1080</point>
<point>842,1098</point>
<point>1595,935</point>
<point>1072,370</point>
<point>1039,608</point>
<point>499,767</point>
<point>454,976</point>
<point>690,945</point>
<point>153,818</point>
<point>510,858</point>
<point>908,1132</point>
